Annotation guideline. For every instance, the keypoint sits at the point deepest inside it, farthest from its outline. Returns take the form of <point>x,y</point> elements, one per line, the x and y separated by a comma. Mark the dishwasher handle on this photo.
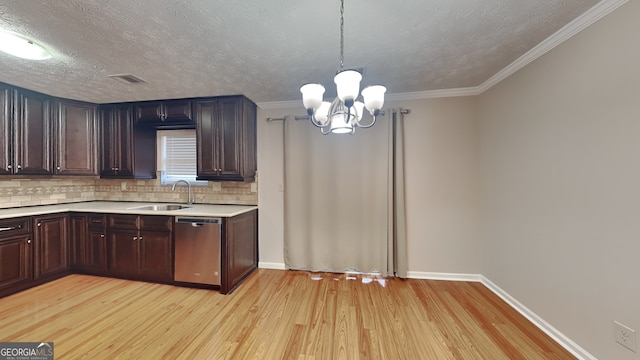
<point>198,221</point>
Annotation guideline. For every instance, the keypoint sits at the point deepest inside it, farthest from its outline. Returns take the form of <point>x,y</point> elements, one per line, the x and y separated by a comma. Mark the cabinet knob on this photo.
<point>140,238</point>
<point>29,241</point>
<point>58,168</point>
<point>9,167</point>
<point>39,224</point>
<point>101,235</point>
<point>19,167</point>
<point>135,238</point>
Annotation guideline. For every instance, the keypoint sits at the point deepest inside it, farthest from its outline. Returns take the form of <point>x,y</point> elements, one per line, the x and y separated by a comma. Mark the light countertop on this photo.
<point>117,207</point>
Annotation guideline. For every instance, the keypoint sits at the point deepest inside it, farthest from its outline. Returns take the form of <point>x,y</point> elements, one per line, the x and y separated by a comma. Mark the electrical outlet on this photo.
<point>624,336</point>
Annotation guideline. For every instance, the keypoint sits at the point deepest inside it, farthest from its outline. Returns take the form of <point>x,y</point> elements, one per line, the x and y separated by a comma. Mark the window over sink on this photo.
<point>177,156</point>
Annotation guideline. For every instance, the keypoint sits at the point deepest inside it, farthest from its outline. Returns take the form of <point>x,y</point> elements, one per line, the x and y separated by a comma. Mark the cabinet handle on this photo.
<point>9,228</point>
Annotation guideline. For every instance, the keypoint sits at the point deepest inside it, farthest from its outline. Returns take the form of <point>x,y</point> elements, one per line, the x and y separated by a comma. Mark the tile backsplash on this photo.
<point>16,192</point>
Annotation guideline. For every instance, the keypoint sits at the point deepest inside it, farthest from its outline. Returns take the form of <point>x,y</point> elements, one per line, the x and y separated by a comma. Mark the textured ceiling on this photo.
<point>267,49</point>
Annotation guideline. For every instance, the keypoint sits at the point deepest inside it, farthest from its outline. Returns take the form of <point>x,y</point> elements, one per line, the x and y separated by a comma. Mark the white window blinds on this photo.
<point>177,155</point>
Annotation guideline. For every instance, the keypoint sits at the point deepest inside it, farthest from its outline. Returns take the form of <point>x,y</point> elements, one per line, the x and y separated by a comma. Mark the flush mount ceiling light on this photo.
<point>20,46</point>
<point>343,115</point>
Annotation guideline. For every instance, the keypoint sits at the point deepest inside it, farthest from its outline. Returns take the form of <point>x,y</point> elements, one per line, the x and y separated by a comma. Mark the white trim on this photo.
<point>433,94</point>
<point>554,333</point>
<point>270,265</point>
<point>580,23</point>
<point>592,15</point>
<point>444,276</point>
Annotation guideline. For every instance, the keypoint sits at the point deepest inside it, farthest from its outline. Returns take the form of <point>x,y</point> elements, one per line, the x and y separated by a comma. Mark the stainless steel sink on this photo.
<point>161,207</point>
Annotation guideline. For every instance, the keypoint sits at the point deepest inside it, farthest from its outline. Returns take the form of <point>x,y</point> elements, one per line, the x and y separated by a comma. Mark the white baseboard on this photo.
<point>269,265</point>
<point>554,333</point>
<point>444,276</point>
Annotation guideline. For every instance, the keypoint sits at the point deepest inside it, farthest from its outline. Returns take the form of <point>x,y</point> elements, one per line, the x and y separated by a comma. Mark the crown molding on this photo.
<point>580,23</point>
<point>433,94</point>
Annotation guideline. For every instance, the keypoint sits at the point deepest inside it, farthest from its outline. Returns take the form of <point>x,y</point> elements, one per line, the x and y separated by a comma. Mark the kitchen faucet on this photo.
<point>173,188</point>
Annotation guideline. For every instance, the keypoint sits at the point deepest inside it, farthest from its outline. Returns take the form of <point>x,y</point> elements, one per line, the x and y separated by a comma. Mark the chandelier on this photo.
<point>344,114</point>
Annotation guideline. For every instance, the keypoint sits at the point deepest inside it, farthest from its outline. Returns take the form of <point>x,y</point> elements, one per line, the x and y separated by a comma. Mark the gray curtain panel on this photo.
<point>339,199</point>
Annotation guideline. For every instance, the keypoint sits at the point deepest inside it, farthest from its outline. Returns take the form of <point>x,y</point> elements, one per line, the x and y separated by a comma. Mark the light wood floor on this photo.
<point>274,315</point>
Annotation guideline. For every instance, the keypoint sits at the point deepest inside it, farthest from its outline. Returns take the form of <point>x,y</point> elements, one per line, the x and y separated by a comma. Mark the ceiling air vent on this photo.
<point>127,78</point>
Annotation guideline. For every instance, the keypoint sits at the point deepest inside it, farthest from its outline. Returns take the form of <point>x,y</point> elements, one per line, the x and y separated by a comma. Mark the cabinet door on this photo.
<point>178,111</point>
<point>6,129</point>
<point>150,112</point>
<point>230,139</point>
<point>123,252</point>
<point>75,149</point>
<point>117,142</point>
<point>207,138</point>
<point>33,134</point>
<point>95,251</point>
<point>226,139</point>
<point>15,261</point>
<point>52,249</point>
<point>155,256</point>
<point>77,239</point>
<point>163,112</point>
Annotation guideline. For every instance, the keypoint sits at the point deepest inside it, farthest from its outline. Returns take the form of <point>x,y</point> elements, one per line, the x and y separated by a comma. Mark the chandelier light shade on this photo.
<point>344,114</point>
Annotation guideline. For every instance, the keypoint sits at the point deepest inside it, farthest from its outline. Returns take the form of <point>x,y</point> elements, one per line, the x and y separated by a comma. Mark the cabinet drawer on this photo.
<point>156,223</point>
<point>17,226</point>
<point>96,220</point>
<point>123,222</point>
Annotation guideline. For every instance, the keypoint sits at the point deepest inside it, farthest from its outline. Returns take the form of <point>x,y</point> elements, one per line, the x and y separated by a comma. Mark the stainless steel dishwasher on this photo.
<point>197,250</point>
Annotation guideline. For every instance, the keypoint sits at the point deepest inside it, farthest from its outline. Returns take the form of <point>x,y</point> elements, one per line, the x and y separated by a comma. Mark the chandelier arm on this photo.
<point>367,126</point>
<point>317,123</point>
<point>325,133</point>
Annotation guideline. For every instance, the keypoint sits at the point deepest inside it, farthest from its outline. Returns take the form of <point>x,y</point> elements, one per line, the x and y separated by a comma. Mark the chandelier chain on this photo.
<point>341,34</point>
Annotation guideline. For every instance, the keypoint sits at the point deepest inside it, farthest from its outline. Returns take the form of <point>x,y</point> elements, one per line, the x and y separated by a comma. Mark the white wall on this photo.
<point>441,185</point>
<point>560,183</point>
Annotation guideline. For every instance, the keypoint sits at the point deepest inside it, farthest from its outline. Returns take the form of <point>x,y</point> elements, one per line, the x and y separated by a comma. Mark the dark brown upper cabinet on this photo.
<point>167,112</point>
<point>6,129</point>
<point>25,134</point>
<point>75,138</point>
<point>33,134</point>
<point>127,151</point>
<point>226,139</point>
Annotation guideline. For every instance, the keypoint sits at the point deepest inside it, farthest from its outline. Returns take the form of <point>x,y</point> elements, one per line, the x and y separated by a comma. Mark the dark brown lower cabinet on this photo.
<point>239,249</point>
<point>140,247</point>
<point>34,250</point>
<point>88,243</point>
<point>51,245</point>
<point>16,260</point>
